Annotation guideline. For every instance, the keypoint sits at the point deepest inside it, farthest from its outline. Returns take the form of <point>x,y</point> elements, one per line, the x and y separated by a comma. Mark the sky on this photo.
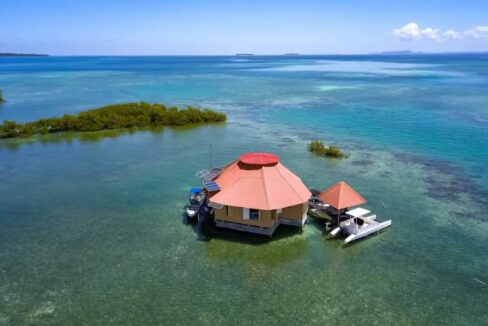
<point>209,27</point>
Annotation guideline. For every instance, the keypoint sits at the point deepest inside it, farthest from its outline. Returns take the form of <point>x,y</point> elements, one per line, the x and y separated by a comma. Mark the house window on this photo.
<point>279,211</point>
<point>254,214</point>
<point>226,210</point>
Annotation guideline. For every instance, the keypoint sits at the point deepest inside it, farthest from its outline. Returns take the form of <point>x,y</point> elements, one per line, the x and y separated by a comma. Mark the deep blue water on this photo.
<point>91,228</point>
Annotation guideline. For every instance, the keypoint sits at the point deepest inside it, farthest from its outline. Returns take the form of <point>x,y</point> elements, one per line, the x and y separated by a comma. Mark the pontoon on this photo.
<point>358,225</point>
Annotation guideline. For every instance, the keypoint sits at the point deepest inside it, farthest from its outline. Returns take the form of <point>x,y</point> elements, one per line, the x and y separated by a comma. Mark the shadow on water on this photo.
<point>376,236</point>
<point>195,224</point>
<point>253,251</point>
<point>207,231</point>
<point>318,223</point>
<point>90,136</point>
<point>287,244</point>
<point>68,137</point>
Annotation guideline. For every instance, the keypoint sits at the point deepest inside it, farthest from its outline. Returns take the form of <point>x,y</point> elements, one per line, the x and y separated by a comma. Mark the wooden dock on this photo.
<point>319,213</point>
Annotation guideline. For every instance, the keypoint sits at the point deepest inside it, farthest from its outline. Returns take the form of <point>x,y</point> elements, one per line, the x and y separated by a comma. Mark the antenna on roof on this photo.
<point>210,155</point>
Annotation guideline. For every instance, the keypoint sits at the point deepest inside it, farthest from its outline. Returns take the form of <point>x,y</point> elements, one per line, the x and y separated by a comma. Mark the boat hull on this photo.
<point>191,213</point>
<point>335,231</point>
<point>367,231</point>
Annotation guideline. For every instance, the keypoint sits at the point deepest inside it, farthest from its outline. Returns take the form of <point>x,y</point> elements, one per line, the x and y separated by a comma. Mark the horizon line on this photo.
<point>291,54</point>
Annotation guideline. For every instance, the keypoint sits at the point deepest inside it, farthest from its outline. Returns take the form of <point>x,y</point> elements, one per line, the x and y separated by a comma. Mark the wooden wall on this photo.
<point>294,212</point>
<point>266,218</point>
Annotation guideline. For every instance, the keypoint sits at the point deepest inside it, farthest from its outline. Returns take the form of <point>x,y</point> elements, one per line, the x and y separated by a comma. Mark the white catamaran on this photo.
<point>359,225</point>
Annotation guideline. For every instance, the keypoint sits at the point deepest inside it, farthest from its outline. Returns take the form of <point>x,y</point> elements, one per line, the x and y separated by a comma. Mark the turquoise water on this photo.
<point>91,225</point>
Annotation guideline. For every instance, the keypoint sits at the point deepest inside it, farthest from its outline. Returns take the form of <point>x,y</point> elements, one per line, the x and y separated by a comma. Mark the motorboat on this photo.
<point>196,199</point>
<point>357,225</point>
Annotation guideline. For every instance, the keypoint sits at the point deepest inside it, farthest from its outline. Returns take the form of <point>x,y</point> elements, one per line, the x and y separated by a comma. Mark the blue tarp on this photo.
<point>195,190</point>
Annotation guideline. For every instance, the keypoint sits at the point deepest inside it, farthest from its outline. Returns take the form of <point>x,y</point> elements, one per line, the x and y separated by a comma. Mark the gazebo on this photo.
<point>341,196</point>
<point>256,193</point>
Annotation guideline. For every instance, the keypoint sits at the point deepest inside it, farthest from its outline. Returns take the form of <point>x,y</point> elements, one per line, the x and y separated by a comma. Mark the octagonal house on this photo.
<point>256,193</point>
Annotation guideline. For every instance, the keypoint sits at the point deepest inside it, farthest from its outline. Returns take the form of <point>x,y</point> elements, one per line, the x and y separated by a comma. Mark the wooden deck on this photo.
<point>319,211</point>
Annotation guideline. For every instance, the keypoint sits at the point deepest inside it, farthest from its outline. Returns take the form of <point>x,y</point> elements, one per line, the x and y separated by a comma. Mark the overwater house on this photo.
<point>256,193</point>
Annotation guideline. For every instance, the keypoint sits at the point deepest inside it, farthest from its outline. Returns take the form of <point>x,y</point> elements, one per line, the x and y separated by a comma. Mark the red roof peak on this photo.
<point>254,181</point>
<point>341,195</point>
<point>259,158</point>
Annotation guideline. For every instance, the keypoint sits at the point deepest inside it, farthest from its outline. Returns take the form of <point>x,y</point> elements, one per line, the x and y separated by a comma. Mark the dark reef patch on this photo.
<point>454,183</point>
<point>362,162</point>
<point>288,140</point>
<point>386,174</point>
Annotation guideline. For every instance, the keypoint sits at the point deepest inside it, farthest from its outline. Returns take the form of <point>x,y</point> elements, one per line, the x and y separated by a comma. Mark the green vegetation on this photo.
<point>117,116</point>
<point>2,100</point>
<point>334,152</point>
<point>318,148</point>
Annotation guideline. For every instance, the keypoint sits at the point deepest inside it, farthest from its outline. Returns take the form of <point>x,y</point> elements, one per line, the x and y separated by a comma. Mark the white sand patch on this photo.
<point>366,68</point>
<point>328,88</point>
<point>46,308</point>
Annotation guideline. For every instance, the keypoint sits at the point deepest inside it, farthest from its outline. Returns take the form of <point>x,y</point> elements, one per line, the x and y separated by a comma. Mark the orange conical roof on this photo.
<point>341,195</point>
<point>260,181</point>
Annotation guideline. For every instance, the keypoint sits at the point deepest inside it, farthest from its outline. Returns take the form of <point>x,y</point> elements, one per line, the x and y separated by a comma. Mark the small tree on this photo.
<point>334,152</point>
<point>2,100</point>
<point>10,129</point>
<point>317,147</point>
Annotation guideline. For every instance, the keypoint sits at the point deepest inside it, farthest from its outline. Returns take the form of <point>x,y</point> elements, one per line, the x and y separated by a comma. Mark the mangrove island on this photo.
<point>2,100</point>
<point>317,147</point>
<point>117,116</point>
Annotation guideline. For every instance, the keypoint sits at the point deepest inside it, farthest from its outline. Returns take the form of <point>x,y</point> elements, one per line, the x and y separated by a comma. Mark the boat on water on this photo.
<point>355,224</point>
<point>196,199</point>
<point>358,225</point>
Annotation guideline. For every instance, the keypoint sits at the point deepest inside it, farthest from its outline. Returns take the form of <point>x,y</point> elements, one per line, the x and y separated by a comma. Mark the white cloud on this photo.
<point>430,34</point>
<point>408,32</point>
<point>412,32</point>
<point>452,35</point>
<point>477,32</point>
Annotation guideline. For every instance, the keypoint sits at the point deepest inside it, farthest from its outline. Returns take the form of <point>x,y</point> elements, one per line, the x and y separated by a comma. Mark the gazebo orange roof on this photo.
<point>260,181</point>
<point>341,195</point>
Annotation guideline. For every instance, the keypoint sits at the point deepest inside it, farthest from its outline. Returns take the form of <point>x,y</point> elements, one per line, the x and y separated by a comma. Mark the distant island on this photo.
<point>117,116</point>
<point>292,54</point>
<point>402,52</point>
<point>22,55</point>
<point>244,54</point>
<point>408,52</point>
